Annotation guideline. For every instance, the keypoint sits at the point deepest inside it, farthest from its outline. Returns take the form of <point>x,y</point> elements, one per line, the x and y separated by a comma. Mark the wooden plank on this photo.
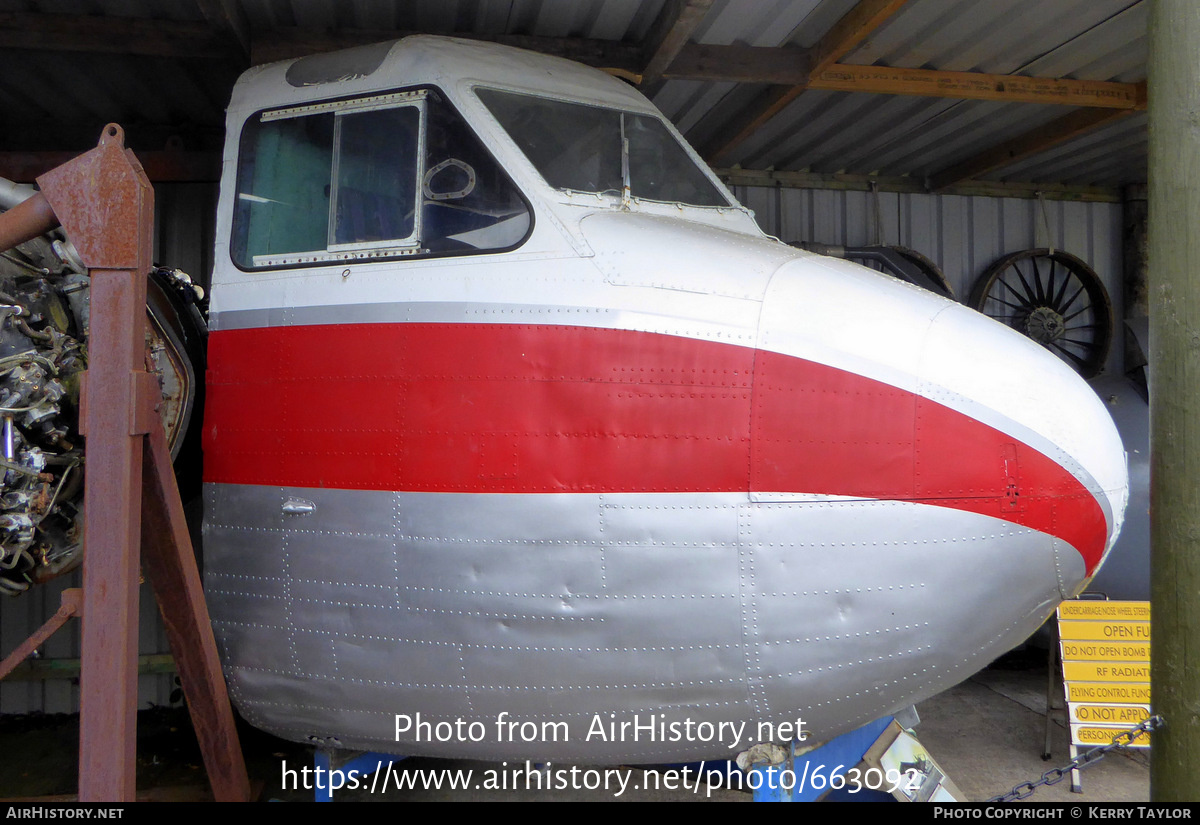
<point>675,24</point>
<point>845,34</point>
<point>1174,295</point>
<point>112,35</point>
<point>790,67</point>
<point>850,30</point>
<point>783,66</point>
<point>979,86</point>
<point>165,166</point>
<point>909,185</point>
<point>1026,145</point>
<point>285,43</point>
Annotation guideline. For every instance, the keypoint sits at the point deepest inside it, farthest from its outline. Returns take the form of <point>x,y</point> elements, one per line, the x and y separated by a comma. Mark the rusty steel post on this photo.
<point>170,564</point>
<point>106,205</point>
<point>71,604</point>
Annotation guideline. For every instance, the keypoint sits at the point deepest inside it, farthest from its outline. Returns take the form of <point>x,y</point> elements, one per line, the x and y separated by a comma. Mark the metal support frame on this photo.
<point>1055,700</point>
<point>131,503</point>
<point>71,605</point>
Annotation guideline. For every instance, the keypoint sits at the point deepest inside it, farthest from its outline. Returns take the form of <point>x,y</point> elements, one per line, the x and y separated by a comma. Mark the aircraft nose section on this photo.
<point>922,400</point>
<point>1071,462</point>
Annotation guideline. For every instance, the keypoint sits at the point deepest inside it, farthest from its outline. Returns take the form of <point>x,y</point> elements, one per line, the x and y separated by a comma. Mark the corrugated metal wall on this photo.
<point>184,216</point>
<point>962,235</point>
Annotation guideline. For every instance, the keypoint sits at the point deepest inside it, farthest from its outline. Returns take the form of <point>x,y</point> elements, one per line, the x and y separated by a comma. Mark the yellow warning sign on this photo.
<point>1108,692</point>
<point>1124,715</point>
<point>1094,610</point>
<point>1104,631</point>
<point>1106,651</point>
<point>1093,735</point>
<point>1106,666</point>
<point>1106,672</point>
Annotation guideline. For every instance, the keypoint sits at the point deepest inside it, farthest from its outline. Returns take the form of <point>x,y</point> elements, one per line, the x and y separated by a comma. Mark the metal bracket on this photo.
<point>71,605</point>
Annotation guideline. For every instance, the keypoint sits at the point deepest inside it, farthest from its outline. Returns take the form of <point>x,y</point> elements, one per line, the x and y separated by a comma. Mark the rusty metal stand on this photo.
<point>131,502</point>
<point>71,605</point>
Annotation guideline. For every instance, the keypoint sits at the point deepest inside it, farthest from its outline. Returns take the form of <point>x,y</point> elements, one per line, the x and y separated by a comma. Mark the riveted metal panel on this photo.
<point>353,658</point>
<point>962,235</point>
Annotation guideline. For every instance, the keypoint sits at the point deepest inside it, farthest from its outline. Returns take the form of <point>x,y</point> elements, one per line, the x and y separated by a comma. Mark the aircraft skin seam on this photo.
<point>455,686</point>
<point>562,649</point>
<point>388,715</point>
<point>493,593</point>
<point>749,647</point>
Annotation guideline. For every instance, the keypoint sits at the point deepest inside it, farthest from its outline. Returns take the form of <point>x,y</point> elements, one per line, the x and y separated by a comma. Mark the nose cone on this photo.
<point>996,425</point>
<point>1011,384</point>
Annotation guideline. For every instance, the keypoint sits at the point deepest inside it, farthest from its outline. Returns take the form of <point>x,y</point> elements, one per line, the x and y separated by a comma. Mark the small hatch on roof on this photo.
<point>336,67</point>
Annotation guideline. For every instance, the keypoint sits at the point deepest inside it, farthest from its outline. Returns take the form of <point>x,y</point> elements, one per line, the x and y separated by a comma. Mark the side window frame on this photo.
<point>416,243</point>
<point>413,240</point>
<point>353,250</point>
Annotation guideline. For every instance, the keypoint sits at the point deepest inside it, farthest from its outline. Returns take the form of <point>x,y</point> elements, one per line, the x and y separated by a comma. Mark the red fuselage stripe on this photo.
<point>506,408</point>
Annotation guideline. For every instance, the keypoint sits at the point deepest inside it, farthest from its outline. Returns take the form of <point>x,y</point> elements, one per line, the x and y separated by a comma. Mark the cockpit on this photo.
<point>583,148</point>
<point>402,174</point>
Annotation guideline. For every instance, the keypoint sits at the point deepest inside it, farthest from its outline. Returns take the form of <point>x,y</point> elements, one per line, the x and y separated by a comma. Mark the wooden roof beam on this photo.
<point>979,86</point>
<point>778,66</point>
<point>225,37</point>
<point>112,35</point>
<point>229,19</point>
<point>1023,146</point>
<point>670,33</point>
<point>846,33</point>
<point>162,166</point>
<point>867,183</point>
<point>852,29</point>
<point>285,43</point>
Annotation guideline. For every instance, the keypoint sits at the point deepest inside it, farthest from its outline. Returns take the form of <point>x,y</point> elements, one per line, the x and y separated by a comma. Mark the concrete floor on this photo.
<point>986,734</point>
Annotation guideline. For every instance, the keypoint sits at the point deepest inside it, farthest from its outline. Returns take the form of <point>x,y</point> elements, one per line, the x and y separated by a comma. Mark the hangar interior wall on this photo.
<point>962,235</point>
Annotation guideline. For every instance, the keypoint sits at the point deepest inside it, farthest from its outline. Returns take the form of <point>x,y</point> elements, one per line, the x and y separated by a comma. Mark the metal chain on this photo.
<point>1122,740</point>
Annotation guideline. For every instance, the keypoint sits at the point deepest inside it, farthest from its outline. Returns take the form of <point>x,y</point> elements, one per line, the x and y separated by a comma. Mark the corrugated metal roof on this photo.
<point>894,135</point>
<point>53,93</point>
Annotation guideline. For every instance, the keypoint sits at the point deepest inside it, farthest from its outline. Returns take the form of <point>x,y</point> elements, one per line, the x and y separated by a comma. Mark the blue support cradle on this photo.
<point>804,777</point>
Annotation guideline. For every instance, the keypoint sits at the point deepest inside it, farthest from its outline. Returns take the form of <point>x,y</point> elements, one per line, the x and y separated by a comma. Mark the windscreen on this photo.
<point>586,148</point>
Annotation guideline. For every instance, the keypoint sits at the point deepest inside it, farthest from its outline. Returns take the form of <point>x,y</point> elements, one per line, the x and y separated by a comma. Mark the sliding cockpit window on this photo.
<point>385,176</point>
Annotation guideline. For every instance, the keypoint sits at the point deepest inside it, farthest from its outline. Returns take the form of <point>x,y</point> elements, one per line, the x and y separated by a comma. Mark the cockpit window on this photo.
<point>391,175</point>
<point>593,149</point>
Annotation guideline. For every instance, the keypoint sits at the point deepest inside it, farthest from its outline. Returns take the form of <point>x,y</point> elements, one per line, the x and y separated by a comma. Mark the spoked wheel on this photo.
<point>916,268</point>
<point>1053,298</point>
